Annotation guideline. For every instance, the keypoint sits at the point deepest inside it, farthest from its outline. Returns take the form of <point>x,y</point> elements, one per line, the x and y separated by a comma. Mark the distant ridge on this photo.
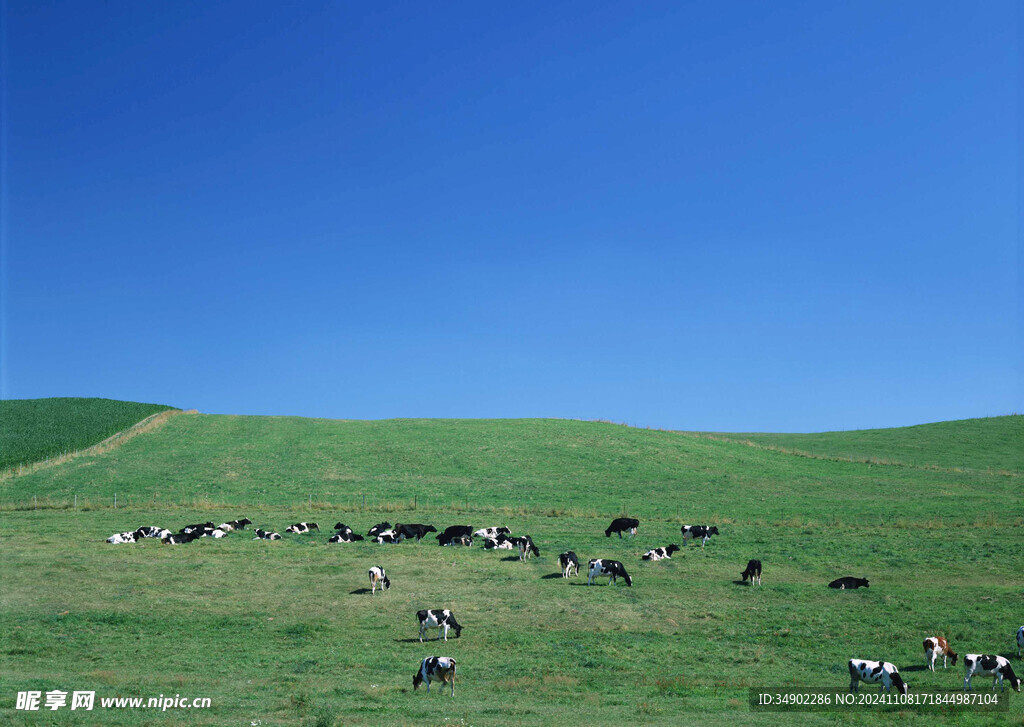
<point>984,444</point>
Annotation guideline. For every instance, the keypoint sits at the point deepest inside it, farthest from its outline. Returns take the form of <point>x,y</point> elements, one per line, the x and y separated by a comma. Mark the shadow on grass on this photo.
<point>916,667</point>
<point>360,591</point>
<point>549,576</point>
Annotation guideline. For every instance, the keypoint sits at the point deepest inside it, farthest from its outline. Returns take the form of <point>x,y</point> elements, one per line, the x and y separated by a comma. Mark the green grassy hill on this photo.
<point>538,466</point>
<point>285,633</point>
<point>992,443</point>
<point>34,429</point>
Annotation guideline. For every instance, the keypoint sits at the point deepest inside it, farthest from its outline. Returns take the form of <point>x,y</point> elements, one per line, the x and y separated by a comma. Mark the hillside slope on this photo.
<point>995,443</point>
<point>538,466</point>
<point>33,429</point>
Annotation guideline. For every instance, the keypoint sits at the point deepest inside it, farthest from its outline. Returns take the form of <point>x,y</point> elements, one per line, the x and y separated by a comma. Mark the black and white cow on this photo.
<point>753,572</point>
<point>415,530</point>
<point>875,672</point>
<point>435,669</point>
<point>611,568</point>
<point>226,527</point>
<point>378,529</point>
<point>215,533</point>
<point>998,667</point>
<point>179,538</point>
<point>569,563</point>
<point>386,537</point>
<point>465,540</point>
<point>500,543</point>
<point>1020,640</point>
<point>847,582</point>
<point>378,578</point>
<point>441,619</point>
<point>302,528</point>
<point>266,535</point>
<point>130,536</point>
<point>660,553</point>
<point>151,531</point>
<point>492,532</point>
<point>701,532</point>
<point>455,531</point>
<point>239,524</point>
<point>622,525</point>
<point>525,546</point>
<point>345,536</point>
<point>200,526</point>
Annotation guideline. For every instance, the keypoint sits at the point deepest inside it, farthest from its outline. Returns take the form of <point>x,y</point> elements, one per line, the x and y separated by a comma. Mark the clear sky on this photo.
<point>721,216</point>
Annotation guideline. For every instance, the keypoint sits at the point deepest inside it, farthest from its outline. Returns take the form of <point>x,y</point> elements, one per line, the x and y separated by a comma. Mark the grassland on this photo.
<point>34,429</point>
<point>283,633</point>
<point>987,444</point>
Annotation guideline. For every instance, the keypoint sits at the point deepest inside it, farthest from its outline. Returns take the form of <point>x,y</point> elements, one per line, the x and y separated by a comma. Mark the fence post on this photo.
<point>115,500</point>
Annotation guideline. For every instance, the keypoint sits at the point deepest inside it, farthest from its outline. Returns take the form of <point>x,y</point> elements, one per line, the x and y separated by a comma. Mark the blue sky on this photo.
<point>753,216</point>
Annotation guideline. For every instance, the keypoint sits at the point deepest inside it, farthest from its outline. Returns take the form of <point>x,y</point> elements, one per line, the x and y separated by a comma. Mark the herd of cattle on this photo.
<point>442,668</point>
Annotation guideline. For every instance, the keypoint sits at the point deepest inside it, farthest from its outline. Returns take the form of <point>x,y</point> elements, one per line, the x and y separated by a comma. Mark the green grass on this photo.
<point>282,633</point>
<point>524,466</point>
<point>33,429</point>
<point>992,443</point>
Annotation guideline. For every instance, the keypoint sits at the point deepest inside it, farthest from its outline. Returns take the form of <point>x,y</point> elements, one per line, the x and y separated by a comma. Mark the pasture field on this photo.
<point>286,633</point>
<point>990,443</point>
<point>33,429</point>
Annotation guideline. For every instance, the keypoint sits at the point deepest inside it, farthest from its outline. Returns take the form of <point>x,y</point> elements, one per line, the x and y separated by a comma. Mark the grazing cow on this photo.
<point>500,543</point>
<point>179,538</point>
<point>934,647</point>
<point>408,532</point>
<point>848,582</point>
<point>442,620</point>
<point>703,532</point>
<point>612,568</point>
<point>386,537</point>
<point>998,667</point>
<point>621,525</point>
<point>302,528</point>
<point>492,532</point>
<point>570,564</point>
<point>121,538</point>
<point>873,672</point>
<point>266,535</point>
<point>455,531</point>
<point>465,540</point>
<point>753,572</point>
<point>435,668</point>
<point>378,577</point>
<point>1020,639</point>
<point>378,529</point>
<point>660,553</point>
<point>525,546</point>
<point>200,526</point>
